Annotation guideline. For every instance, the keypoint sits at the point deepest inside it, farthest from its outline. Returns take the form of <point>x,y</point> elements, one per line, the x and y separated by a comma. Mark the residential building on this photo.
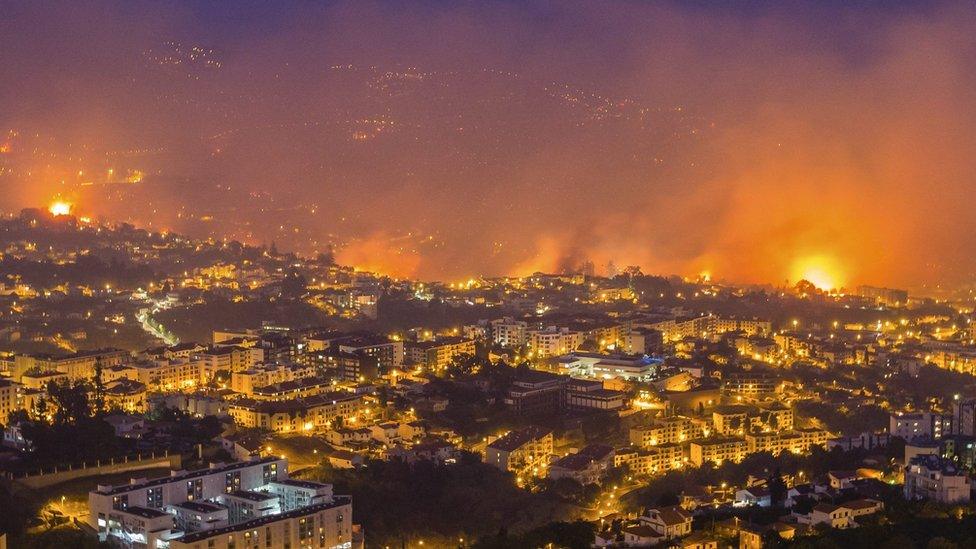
<point>261,375</point>
<point>751,384</point>
<point>308,414</point>
<point>508,332</point>
<point>523,452</point>
<point>231,358</point>
<point>650,461</point>
<point>388,354</point>
<point>717,450</point>
<point>935,479</point>
<point>669,522</point>
<point>929,425</point>
<point>80,365</point>
<point>168,374</point>
<point>553,341</point>
<point>11,399</point>
<point>126,395</point>
<point>438,354</point>
<point>587,466</point>
<point>663,430</point>
<point>244,504</point>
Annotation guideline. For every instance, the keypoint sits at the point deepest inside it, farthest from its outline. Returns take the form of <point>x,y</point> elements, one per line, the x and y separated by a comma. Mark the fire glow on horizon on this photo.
<point>823,271</point>
<point>59,208</point>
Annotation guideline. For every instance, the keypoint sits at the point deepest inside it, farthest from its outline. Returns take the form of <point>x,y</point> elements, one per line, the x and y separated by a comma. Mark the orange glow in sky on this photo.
<point>823,271</point>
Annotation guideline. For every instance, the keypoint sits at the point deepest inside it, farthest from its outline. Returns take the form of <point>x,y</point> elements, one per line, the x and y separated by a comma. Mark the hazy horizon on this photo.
<point>829,141</point>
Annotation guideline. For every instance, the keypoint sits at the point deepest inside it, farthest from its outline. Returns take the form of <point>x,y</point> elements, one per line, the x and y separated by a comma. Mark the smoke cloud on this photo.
<point>759,144</point>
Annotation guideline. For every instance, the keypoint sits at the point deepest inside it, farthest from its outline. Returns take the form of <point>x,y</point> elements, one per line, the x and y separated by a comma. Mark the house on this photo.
<point>431,449</point>
<point>345,435</point>
<point>343,459</point>
<point>699,540</point>
<point>641,536</point>
<point>751,535</point>
<point>126,425</point>
<point>606,538</point>
<point>385,433</point>
<point>669,522</point>
<point>434,449</point>
<point>863,507</point>
<point>798,492</point>
<point>241,447</point>
<point>835,516</point>
<point>391,432</point>
<point>586,466</point>
<point>755,496</point>
<point>841,479</point>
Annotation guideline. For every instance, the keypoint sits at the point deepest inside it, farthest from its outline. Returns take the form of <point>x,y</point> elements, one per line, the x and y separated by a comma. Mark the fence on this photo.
<point>50,476</point>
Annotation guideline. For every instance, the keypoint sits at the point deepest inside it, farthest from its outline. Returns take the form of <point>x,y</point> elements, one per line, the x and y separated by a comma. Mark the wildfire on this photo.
<point>59,208</point>
<point>822,271</point>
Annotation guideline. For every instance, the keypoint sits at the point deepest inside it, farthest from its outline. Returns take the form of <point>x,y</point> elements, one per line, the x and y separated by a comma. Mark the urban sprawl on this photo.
<point>164,392</point>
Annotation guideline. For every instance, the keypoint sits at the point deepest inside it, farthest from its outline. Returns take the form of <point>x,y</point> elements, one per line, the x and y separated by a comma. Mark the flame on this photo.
<point>59,208</point>
<point>823,271</point>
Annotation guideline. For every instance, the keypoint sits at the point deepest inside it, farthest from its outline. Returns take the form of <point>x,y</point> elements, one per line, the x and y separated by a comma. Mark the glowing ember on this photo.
<point>59,207</point>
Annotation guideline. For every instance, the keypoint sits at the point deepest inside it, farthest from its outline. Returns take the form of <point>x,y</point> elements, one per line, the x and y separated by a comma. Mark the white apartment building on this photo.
<point>244,504</point>
<point>553,341</point>
<point>509,332</point>
<point>929,477</point>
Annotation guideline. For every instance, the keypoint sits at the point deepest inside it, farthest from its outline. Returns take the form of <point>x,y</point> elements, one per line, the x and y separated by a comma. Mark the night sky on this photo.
<point>760,142</point>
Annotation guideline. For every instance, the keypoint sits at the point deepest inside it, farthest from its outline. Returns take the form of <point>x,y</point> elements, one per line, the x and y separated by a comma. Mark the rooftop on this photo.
<point>338,501</point>
<point>516,439</point>
<point>177,476</point>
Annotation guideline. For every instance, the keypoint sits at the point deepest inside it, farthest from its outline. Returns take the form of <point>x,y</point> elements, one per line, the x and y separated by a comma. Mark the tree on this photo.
<point>462,365</point>
<point>99,389</point>
<point>294,285</point>
<point>777,489</point>
<point>70,401</point>
<point>668,499</point>
<point>940,543</point>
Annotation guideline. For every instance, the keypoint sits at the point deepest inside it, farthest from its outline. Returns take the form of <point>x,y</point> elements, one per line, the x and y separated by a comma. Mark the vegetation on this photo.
<point>398,502</point>
<point>669,485</point>
<point>916,532</point>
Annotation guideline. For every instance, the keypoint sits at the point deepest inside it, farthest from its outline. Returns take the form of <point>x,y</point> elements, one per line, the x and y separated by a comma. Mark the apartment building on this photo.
<point>583,394</point>
<point>244,504</point>
<point>553,341</point>
<point>231,358</point>
<point>650,461</point>
<point>775,442</point>
<point>716,450</point>
<point>523,452</point>
<point>80,365</point>
<point>664,431</point>
<point>308,414</point>
<point>439,353</point>
<point>167,375</point>
<point>262,375</point>
<point>11,399</point>
<point>932,478</point>
<point>910,426</point>
<point>508,332</point>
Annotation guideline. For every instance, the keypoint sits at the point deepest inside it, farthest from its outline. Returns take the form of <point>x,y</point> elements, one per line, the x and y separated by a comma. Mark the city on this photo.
<point>628,410</point>
<point>369,274</point>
